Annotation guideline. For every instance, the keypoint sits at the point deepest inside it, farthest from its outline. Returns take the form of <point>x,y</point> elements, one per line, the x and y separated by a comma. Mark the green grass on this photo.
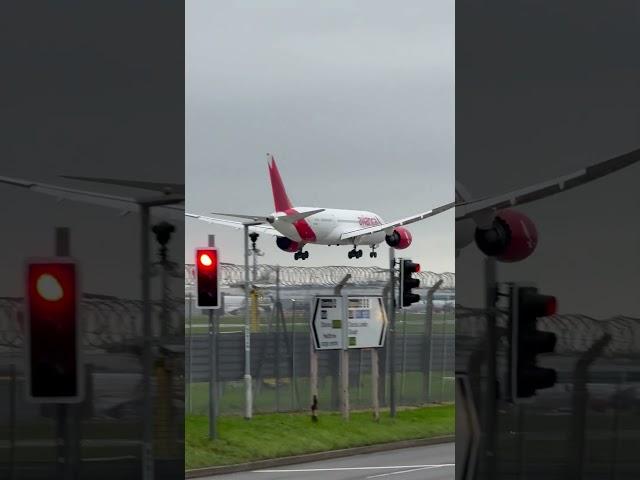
<point>280,435</point>
<point>267,399</point>
<point>442,323</point>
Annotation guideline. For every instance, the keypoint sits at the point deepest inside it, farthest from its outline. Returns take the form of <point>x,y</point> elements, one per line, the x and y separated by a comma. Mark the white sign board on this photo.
<point>367,322</point>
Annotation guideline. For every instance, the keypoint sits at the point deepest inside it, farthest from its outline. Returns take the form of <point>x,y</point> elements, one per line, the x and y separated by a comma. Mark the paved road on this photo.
<point>419,463</point>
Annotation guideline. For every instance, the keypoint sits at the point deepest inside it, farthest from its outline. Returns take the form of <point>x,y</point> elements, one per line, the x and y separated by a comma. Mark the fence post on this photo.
<point>375,395</point>
<point>579,406</point>
<point>189,359</point>
<point>428,341</point>
<point>12,421</point>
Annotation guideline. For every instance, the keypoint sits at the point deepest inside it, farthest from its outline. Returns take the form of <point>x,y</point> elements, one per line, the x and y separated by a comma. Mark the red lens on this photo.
<point>205,260</point>
<point>417,267</point>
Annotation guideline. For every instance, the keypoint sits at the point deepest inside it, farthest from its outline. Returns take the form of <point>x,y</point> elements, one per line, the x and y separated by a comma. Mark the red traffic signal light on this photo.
<point>207,278</point>
<point>53,336</point>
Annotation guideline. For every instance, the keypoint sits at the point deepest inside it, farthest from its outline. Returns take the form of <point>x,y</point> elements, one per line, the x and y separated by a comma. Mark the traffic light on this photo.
<point>53,334</point>
<point>527,342</point>
<point>207,278</point>
<point>407,282</point>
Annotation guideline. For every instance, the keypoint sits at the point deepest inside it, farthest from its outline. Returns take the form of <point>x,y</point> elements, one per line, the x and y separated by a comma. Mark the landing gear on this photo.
<point>354,253</point>
<point>373,253</point>
<point>300,255</point>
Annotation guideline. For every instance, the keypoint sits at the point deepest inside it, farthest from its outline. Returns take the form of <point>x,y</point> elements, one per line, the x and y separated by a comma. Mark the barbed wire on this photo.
<point>106,321</point>
<point>575,333</point>
<point>233,275</point>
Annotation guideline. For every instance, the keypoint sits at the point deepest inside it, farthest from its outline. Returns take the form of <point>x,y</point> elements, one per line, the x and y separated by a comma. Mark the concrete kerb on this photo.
<point>312,457</point>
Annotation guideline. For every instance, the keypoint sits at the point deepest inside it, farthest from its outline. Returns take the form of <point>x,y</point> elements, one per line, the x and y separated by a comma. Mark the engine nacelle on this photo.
<point>399,239</point>
<point>287,244</point>
<point>512,237</point>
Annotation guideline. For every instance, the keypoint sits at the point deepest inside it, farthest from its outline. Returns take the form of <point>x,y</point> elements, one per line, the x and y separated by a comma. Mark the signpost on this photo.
<point>367,322</point>
<point>343,323</point>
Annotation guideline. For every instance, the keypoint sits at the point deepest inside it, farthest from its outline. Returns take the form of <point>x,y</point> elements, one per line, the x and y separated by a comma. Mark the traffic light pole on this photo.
<point>392,333</point>
<point>66,414</point>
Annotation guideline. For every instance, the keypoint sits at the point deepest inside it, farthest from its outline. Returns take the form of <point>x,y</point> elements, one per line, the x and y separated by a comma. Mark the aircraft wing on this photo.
<point>268,229</point>
<point>290,218</point>
<point>536,192</point>
<point>177,188</point>
<point>124,204</point>
<point>391,225</point>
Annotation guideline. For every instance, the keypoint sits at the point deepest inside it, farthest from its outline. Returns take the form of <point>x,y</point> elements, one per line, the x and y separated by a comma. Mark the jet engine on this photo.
<point>399,239</point>
<point>511,238</point>
<point>287,244</point>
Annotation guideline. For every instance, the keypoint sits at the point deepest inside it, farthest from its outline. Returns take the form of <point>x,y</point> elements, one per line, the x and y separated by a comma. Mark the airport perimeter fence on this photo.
<point>106,427</point>
<point>281,347</point>
<point>586,425</point>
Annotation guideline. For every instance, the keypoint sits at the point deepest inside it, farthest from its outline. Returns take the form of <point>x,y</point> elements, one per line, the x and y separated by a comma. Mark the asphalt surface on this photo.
<point>419,463</point>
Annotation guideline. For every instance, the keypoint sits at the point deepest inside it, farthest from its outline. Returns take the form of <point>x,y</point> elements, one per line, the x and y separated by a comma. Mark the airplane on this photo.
<point>491,223</point>
<point>295,227</point>
<point>497,229</point>
<point>500,231</point>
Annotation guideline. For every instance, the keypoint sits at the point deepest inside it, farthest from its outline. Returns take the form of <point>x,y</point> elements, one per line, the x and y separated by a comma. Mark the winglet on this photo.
<point>280,199</point>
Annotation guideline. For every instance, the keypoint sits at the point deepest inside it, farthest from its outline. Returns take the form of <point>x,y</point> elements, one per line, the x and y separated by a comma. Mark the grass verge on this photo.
<point>280,435</point>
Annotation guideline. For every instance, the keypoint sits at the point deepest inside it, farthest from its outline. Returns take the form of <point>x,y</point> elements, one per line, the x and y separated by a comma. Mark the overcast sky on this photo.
<point>354,99</point>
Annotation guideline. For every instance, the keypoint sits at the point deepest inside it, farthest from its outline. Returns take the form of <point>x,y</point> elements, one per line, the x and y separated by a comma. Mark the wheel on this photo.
<point>375,254</point>
<point>358,253</point>
<point>372,254</point>
<point>350,254</point>
<point>305,255</point>
<point>296,255</point>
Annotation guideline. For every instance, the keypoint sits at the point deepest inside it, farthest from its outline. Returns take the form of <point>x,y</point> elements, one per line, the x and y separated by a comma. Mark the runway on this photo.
<point>420,463</point>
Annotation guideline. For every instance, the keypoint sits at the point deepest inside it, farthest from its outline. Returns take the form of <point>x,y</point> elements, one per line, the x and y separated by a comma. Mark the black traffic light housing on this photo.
<point>408,283</point>
<point>54,369</point>
<point>207,278</point>
<point>527,342</point>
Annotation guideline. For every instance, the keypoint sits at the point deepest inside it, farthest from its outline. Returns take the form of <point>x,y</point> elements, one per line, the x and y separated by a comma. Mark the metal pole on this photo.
<point>403,365</point>
<point>443,329</point>
<point>213,434</point>
<point>491,345</point>
<point>12,421</point>
<point>248,412</point>
<point>147,353</point>
<point>344,359</point>
<point>392,334</point>
<point>68,428</point>
<point>293,356</point>
<point>190,377</point>
<point>213,423</point>
<point>428,341</point>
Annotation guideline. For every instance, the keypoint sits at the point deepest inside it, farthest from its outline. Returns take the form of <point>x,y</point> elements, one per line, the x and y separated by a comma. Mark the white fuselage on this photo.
<point>326,227</point>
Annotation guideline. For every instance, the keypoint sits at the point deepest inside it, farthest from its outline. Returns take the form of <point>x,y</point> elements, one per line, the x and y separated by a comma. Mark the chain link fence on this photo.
<point>109,421</point>
<point>587,424</point>
<point>280,342</point>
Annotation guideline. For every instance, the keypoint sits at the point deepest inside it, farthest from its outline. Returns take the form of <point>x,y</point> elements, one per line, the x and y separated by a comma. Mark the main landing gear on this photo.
<point>354,253</point>
<point>300,255</point>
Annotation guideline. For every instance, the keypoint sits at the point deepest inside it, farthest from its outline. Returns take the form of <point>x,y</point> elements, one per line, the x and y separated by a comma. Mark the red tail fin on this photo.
<point>280,198</point>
